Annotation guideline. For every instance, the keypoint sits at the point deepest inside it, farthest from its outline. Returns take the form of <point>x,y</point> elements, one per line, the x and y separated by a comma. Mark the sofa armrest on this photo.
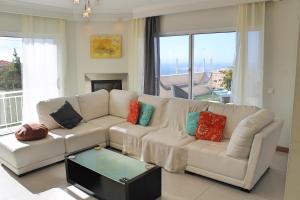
<point>262,152</point>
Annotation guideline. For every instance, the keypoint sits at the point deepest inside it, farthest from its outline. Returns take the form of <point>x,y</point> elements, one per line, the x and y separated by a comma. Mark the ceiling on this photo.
<point>111,6</point>
<point>110,9</point>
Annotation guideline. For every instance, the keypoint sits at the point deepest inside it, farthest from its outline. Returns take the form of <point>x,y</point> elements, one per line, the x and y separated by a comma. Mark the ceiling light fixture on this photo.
<point>87,11</point>
<point>88,8</point>
<point>76,2</point>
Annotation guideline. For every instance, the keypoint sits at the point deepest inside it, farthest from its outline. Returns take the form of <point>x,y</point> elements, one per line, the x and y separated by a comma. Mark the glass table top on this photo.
<point>110,164</point>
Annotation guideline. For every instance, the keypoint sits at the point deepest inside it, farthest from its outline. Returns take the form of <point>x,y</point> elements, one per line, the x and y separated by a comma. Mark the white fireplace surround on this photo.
<point>105,76</point>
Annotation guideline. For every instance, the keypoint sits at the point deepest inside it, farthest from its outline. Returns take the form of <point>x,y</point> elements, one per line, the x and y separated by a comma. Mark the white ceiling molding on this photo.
<point>16,7</point>
<point>186,6</point>
<point>34,9</point>
<point>70,13</point>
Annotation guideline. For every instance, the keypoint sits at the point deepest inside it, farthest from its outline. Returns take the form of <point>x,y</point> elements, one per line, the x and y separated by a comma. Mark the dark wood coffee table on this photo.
<point>109,175</point>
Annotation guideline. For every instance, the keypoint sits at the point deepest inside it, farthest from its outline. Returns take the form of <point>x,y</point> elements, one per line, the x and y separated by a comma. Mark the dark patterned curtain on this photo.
<point>152,62</point>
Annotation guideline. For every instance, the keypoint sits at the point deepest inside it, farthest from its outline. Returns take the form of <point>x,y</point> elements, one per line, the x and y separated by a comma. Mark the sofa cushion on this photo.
<point>106,122</point>
<point>211,156</point>
<point>32,131</point>
<point>93,105</point>
<point>178,109</point>
<point>243,135</point>
<point>21,154</point>
<point>128,137</point>
<point>119,101</point>
<point>210,127</point>
<point>234,114</point>
<point>82,136</point>
<point>134,111</point>
<point>165,147</point>
<point>146,113</point>
<point>66,116</point>
<point>159,108</point>
<point>44,108</point>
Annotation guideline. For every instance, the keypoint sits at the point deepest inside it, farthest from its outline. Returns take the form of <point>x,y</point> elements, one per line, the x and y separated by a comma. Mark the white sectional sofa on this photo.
<point>164,142</point>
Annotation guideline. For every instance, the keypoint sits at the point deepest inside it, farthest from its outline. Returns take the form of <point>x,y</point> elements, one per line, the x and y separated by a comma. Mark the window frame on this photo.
<point>191,35</point>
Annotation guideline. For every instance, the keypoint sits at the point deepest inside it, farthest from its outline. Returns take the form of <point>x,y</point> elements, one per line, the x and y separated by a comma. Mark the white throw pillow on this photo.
<point>241,140</point>
<point>93,105</point>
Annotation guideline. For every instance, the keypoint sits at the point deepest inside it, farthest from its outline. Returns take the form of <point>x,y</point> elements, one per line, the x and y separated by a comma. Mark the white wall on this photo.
<point>80,62</point>
<point>281,40</point>
<point>219,19</point>
<point>292,191</point>
<point>280,49</point>
<point>10,24</point>
<point>78,46</point>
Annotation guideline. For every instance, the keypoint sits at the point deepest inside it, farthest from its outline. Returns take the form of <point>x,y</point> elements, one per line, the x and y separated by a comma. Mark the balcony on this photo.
<point>10,109</point>
<point>206,86</point>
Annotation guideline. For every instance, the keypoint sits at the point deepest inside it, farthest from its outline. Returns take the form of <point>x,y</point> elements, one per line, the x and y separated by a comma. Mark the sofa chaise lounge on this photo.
<point>164,142</point>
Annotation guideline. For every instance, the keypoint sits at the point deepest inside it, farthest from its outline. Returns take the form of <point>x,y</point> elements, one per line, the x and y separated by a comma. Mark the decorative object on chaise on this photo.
<point>31,131</point>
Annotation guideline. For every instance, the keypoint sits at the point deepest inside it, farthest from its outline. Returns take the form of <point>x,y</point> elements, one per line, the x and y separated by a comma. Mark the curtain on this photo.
<point>152,62</point>
<point>39,74</point>
<point>43,62</point>
<point>247,84</point>
<point>136,61</point>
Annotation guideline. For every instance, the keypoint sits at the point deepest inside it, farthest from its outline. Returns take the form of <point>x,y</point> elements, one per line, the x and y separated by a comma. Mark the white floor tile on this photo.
<point>50,184</point>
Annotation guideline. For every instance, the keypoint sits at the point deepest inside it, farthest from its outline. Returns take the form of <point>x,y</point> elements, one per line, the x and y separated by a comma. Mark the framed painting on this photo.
<point>106,46</point>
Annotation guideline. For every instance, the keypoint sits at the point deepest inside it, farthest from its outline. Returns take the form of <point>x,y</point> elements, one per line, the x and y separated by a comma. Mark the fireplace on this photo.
<point>106,84</point>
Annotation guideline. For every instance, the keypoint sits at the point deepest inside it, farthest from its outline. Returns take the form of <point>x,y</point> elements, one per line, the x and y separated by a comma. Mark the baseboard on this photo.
<point>283,149</point>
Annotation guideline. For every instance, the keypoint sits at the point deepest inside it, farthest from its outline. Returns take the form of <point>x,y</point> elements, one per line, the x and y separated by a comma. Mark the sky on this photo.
<point>220,47</point>
<point>7,45</point>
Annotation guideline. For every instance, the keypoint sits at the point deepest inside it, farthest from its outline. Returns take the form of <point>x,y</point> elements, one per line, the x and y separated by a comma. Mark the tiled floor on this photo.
<point>50,184</point>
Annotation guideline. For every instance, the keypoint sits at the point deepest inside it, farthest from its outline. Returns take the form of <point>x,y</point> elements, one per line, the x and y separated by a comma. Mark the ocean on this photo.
<point>170,68</point>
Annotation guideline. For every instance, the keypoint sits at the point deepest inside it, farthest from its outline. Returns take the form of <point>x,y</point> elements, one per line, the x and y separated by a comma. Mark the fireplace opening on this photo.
<point>106,84</point>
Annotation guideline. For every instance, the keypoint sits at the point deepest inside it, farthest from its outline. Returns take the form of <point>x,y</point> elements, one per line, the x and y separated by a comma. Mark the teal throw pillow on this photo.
<point>192,122</point>
<point>146,112</point>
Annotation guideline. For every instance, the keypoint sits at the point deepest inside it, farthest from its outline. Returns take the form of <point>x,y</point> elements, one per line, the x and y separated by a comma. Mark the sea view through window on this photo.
<point>213,56</point>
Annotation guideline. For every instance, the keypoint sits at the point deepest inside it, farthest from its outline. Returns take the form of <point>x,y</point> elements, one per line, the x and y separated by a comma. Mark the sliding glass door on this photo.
<point>197,66</point>
<point>175,66</point>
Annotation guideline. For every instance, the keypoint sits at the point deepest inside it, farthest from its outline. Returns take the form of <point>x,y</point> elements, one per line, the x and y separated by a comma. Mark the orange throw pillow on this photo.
<point>134,110</point>
<point>210,127</point>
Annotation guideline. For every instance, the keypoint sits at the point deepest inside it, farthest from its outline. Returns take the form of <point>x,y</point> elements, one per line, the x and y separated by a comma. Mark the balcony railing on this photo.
<point>206,86</point>
<point>11,108</point>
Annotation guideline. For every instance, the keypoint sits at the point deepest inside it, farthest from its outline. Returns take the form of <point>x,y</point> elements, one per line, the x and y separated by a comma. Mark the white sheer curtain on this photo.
<point>136,55</point>
<point>43,62</point>
<point>247,84</point>
<point>39,74</point>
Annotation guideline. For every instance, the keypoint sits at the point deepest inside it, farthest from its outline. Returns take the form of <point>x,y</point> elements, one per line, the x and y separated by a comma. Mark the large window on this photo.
<point>197,66</point>
<point>10,81</point>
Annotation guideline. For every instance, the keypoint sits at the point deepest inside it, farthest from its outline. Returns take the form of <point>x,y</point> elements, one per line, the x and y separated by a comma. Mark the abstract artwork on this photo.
<point>106,46</point>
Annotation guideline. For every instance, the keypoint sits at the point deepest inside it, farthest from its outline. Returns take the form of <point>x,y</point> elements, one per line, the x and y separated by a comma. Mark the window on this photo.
<point>10,64</point>
<point>197,66</point>
<point>174,63</point>
<point>10,81</point>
